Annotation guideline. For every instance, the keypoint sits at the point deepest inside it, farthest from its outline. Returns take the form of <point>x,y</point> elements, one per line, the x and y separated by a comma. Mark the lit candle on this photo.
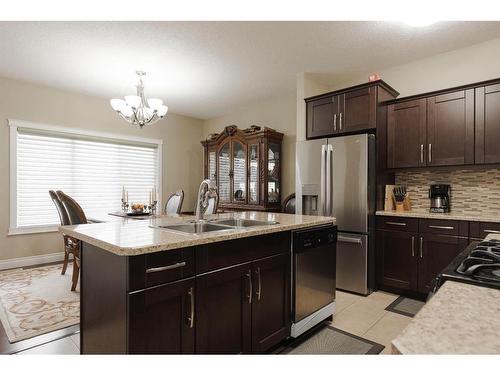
<point>123,193</point>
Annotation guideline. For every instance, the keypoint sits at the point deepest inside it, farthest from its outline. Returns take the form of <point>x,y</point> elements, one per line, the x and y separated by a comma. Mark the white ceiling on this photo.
<point>203,69</point>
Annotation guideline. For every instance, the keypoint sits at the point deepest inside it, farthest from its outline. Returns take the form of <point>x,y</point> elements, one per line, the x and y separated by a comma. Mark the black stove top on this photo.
<point>478,264</point>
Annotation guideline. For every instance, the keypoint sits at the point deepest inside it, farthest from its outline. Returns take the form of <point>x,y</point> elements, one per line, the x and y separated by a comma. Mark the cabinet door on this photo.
<point>224,172</point>
<point>357,110</point>
<point>223,311</point>
<point>397,262</point>
<point>488,124</point>
<point>406,134</point>
<point>320,117</point>
<point>270,302</point>
<point>161,319</point>
<point>450,129</point>
<point>239,172</point>
<point>435,253</point>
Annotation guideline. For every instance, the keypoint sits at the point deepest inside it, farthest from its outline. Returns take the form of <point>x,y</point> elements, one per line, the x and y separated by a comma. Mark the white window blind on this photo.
<point>90,169</point>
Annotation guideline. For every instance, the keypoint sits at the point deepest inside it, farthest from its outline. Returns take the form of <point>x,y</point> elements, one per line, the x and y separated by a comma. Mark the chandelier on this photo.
<point>138,110</point>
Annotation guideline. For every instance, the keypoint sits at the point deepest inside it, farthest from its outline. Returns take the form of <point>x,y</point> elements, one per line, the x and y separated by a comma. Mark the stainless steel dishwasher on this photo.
<point>313,277</point>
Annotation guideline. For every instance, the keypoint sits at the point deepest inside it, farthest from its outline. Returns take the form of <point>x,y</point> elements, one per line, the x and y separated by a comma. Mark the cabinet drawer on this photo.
<point>406,224</point>
<point>161,267</point>
<point>447,227</point>
<point>481,229</point>
<point>224,254</point>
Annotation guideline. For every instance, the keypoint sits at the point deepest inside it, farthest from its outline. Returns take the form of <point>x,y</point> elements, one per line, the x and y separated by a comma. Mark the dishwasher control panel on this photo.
<point>315,237</point>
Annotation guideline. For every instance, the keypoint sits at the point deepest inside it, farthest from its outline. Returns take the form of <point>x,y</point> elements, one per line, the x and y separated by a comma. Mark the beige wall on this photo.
<point>277,113</point>
<point>475,63</point>
<point>182,154</point>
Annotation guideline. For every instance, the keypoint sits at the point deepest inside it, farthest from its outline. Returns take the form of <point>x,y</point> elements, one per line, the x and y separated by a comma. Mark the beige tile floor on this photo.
<point>367,317</point>
<point>361,316</point>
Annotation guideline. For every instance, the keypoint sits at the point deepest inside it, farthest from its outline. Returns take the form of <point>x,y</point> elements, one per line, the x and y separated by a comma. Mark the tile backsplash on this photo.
<point>472,191</point>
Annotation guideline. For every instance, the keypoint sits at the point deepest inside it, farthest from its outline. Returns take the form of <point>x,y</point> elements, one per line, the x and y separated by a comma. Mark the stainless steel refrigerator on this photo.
<point>336,177</point>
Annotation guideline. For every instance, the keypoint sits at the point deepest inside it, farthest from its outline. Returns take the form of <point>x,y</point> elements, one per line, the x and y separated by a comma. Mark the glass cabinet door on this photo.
<point>239,172</point>
<point>253,180</point>
<point>273,173</point>
<point>211,166</point>
<point>224,183</point>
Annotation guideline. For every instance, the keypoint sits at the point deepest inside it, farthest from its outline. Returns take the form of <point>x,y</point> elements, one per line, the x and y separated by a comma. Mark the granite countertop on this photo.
<point>459,319</point>
<point>135,237</point>
<point>425,214</point>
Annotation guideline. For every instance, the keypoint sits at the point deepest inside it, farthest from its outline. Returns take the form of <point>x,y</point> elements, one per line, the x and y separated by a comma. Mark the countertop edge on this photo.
<point>438,216</point>
<point>189,241</point>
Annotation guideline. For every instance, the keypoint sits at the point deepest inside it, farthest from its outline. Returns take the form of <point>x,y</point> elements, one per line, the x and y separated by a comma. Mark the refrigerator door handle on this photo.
<point>323,180</point>
<point>328,180</point>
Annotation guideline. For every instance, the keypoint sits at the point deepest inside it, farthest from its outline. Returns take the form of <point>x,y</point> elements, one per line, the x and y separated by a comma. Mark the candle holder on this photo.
<point>152,207</point>
<point>125,206</point>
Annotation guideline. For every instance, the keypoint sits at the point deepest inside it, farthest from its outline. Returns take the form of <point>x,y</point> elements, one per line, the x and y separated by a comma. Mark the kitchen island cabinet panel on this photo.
<point>270,302</point>
<point>161,319</point>
<point>223,311</point>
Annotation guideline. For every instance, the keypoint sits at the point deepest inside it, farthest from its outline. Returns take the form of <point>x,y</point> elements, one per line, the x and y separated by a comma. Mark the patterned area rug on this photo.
<point>405,306</point>
<point>35,301</point>
<point>329,340</point>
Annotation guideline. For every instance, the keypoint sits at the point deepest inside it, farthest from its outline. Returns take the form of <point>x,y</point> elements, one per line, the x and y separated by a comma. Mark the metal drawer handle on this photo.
<point>259,285</point>
<point>394,223</point>
<point>340,120</point>
<point>421,154</point>
<point>412,246</point>
<point>249,275</point>
<point>491,231</point>
<point>334,122</point>
<point>441,227</point>
<point>421,247</point>
<point>349,240</point>
<point>166,268</point>
<point>430,153</point>
<point>191,313</point>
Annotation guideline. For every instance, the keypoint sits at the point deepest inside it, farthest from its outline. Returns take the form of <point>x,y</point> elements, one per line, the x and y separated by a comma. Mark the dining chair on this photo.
<point>289,204</point>
<point>64,219</point>
<point>174,203</point>
<point>76,216</point>
<point>213,203</point>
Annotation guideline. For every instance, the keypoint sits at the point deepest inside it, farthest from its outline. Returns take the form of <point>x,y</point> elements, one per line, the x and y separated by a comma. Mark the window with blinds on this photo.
<point>90,169</point>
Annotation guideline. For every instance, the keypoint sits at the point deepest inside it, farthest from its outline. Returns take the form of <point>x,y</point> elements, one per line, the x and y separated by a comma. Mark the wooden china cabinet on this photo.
<point>246,167</point>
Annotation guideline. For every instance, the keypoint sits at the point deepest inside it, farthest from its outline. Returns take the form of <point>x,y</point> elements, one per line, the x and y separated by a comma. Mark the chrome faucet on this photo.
<point>207,190</point>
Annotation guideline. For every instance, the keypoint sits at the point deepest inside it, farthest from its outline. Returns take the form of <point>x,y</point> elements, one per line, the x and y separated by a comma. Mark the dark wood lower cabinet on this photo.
<point>409,259</point>
<point>397,265</point>
<point>161,319</point>
<point>270,302</point>
<point>435,253</point>
<point>223,311</point>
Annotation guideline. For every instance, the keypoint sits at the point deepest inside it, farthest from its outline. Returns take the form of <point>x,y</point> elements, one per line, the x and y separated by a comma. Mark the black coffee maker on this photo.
<point>440,198</point>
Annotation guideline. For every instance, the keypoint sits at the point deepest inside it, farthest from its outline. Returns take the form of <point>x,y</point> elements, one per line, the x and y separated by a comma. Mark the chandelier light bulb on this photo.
<point>138,110</point>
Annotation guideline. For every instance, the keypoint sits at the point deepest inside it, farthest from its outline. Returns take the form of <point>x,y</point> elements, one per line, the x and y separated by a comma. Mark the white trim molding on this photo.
<point>14,124</point>
<point>31,261</point>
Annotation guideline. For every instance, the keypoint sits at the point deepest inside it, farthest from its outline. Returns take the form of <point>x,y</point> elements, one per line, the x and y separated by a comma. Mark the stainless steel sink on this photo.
<point>242,223</point>
<point>194,228</point>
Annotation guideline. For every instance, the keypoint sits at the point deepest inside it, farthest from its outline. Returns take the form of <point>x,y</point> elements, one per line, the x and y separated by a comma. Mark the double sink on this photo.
<point>193,227</point>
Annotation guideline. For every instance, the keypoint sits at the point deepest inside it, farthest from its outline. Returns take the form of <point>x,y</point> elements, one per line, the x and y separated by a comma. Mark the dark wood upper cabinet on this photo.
<point>320,117</point>
<point>435,253</point>
<point>358,110</point>
<point>450,129</point>
<point>487,148</point>
<point>161,319</point>
<point>350,110</point>
<point>406,134</point>
<point>223,311</point>
<point>271,302</point>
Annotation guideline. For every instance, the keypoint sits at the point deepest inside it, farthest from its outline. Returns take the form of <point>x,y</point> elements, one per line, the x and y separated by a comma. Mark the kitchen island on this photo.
<point>146,289</point>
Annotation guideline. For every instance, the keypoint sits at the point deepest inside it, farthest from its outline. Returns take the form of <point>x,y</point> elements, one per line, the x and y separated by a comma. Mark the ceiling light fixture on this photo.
<point>138,110</point>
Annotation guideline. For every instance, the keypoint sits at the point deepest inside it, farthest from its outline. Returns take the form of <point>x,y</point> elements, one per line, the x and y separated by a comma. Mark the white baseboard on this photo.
<point>31,261</point>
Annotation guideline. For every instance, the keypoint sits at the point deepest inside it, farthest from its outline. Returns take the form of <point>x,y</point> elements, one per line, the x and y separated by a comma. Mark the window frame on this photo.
<point>14,124</point>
